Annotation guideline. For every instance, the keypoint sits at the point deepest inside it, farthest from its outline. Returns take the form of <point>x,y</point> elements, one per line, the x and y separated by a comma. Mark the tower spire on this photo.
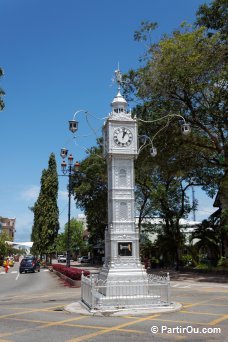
<point>118,76</point>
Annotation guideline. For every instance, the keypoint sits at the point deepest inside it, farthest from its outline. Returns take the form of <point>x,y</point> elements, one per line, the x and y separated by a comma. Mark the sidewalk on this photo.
<point>192,276</point>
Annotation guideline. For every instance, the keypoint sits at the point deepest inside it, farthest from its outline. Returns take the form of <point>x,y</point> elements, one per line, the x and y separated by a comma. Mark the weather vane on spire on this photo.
<point>118,77</point>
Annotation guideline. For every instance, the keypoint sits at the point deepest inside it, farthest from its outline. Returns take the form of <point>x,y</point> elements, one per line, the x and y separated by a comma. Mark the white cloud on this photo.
<point>31,193</point>
<point>204,212</point>
<point>23,227</point>
<point>63,195</point>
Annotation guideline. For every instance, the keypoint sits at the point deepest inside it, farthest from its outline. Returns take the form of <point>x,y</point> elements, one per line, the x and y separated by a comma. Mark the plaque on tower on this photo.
<point>124,248</point>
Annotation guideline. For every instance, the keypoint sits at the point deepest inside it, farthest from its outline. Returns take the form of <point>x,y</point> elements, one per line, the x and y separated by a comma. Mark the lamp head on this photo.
<point>76,166</point>
<point>63,152</point>
<point>185,129</point>
<point>73,125</point>
<point>70,159</point>
<point>63,166</point>
<point>153,151</point>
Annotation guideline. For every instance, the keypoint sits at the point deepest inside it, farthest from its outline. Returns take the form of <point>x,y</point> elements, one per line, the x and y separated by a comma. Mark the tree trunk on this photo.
<point>223,197</point>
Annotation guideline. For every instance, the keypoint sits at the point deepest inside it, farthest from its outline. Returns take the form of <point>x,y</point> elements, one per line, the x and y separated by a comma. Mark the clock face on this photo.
<point>122,137</point>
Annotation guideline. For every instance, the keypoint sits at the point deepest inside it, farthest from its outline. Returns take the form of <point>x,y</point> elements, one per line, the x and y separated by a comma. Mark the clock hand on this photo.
<point>124,133</point>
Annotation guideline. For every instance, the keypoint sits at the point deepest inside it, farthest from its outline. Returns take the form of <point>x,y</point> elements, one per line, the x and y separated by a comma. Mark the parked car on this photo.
<point>85,260</point>
<point>29,264</point>
<point>11,261</point>
<point>61,258</point>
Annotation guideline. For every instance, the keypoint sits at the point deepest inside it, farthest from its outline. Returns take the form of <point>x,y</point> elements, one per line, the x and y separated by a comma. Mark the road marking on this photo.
<point>15,272</point>
<point>30,311</point>
<point>219,320</point>
<point>110,329</point>
<point>200,313</point>
<point>64,323</point>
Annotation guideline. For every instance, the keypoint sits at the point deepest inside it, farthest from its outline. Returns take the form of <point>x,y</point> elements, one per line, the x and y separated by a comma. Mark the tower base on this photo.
<point>114,289</point>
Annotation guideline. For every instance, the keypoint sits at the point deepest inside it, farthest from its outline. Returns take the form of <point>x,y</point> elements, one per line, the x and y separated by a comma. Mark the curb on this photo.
<point>80,308</point>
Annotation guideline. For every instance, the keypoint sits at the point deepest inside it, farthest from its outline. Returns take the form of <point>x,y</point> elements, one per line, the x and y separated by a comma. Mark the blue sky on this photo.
<point>58,57</point>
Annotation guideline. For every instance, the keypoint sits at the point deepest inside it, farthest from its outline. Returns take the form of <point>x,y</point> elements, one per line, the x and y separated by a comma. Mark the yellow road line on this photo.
<point>30,311</point>
<point>12,333</point>
<point>217,304</point>
<point>16,332</point>
<point>218,320</point>
<point>200,313</point>
<point>207,302</point>
<point>110,329</point>
<point>182,322</point>
<point>63,323</point>
<point>51,324</point>
<point>196,304</point>
<point>102,328</point>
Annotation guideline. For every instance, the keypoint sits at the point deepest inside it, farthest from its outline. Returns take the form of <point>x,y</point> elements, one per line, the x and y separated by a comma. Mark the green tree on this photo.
<point>167,199</point>
<point>214,17</point>
<point>90,191</point>
<point>46,213</point>
<point>77,243</point>
<point>207,244</point>
<point>2,93</point>
<point>184,74</point>
<point>4,247</point>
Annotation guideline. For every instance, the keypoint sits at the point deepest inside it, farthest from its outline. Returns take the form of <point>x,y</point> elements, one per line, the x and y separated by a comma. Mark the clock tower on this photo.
<point>122,260</point>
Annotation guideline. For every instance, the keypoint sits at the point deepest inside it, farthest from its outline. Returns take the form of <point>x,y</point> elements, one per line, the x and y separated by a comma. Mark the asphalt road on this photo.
<point>32,310</point>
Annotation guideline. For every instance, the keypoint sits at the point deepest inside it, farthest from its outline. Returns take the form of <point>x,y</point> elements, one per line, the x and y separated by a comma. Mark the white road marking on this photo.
<point>181,286</point>
<point>16,272</point>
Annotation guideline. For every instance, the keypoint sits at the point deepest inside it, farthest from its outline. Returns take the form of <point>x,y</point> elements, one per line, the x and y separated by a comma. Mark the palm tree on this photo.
<point>207,236</point>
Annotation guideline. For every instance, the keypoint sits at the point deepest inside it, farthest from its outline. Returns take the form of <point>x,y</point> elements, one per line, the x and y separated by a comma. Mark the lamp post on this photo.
<point>68,169</point>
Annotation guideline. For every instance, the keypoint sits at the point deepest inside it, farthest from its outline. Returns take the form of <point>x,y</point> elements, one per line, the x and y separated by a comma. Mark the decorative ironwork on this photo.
<point>100,293</point>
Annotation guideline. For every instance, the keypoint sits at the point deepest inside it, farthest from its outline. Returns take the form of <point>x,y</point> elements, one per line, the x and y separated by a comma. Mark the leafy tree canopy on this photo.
<point>214,16</point>
<point>46,212</point>
<point>90,191</point>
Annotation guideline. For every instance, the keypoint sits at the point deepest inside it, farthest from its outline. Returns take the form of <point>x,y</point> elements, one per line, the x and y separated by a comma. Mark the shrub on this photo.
<point>223,262</point>
<point>202,267</point>
<point>70,272</point>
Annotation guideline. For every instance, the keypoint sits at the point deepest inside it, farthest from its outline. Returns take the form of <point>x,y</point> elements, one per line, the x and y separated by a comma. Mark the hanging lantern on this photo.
<point>153,151</point>
<point>63,152</point>
<point>73,126</point>
<point>185,129</point>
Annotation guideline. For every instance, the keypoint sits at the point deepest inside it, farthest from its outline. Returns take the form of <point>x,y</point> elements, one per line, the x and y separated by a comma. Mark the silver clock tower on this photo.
<point>122,261</point>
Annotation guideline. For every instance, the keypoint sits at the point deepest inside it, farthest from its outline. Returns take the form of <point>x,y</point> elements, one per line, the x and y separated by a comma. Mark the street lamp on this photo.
<point>68,169</point>
<point>73,124</point>
<point>185,130</point>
